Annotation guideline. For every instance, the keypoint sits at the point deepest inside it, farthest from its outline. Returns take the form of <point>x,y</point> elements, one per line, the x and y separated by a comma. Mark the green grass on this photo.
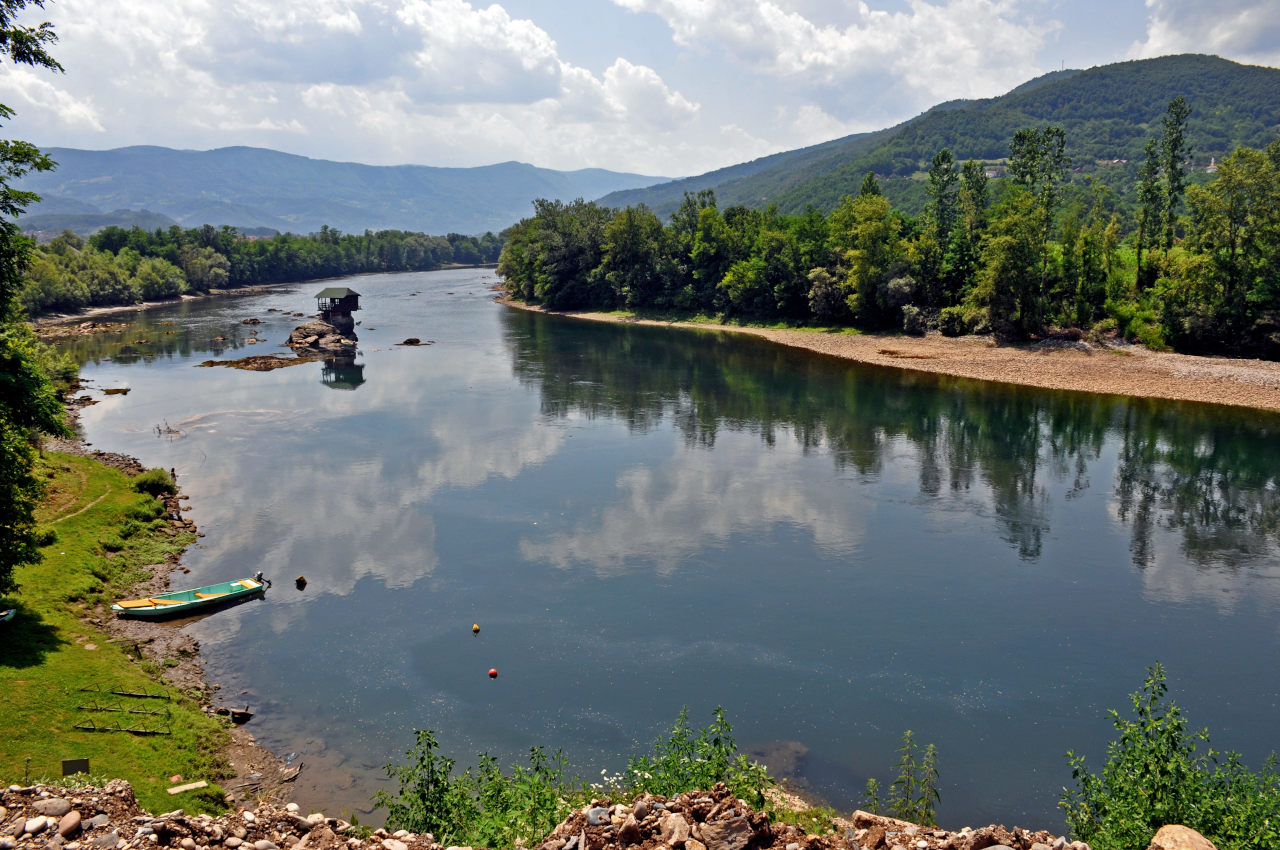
<point>50,651</point>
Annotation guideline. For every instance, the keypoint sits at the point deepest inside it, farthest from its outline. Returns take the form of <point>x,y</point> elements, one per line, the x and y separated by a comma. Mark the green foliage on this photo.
<point>686,760</point>
<point>1156,774</point>
<point>145,510</point>
<point>871,800</point>
<point>913,794</point>
<point>483,806</point>
<point>815,821</point>
<point>119,266</point>
<point>29,402</point>
<point>155,482</point>
<point>958,320</point>
<point>1044,256</point>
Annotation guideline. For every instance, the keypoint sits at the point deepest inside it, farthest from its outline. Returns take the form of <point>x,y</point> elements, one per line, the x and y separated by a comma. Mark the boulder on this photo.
<point>731,834</point>
<point>1178,837</point>
<point>70,823</point>
<point>320,336</point>
<point>54,807</point>
<point>675,830</point>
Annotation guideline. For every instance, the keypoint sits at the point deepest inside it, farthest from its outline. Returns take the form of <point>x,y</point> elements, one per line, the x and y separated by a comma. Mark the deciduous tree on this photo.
<point>28,402</point>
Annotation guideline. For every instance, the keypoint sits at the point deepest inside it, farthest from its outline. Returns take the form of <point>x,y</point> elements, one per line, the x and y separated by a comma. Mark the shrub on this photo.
<point>685,761</point>
<point>481,807</point>
<point>112,543</point>
<point>485,807</point>
<point>913,795</point>
<point>913,320</point>
<point>145,510</point>
<point>156,482</point>
<point>46,536</point>
<point>1103,329</point>
<point>1156,775</point>
<point>953,321</point>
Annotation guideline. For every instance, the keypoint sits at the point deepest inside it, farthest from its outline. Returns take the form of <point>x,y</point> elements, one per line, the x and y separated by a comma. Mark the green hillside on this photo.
<point>254,187</point>
<point>1108,113</point>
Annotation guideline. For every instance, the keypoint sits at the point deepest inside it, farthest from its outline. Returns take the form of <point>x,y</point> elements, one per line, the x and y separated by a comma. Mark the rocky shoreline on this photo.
<point>110,819</point>
<point>1111,368</point>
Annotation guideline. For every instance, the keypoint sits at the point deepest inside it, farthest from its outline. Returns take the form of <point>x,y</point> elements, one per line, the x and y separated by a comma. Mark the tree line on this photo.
<point>1197,268</point>
<point>118,266</point>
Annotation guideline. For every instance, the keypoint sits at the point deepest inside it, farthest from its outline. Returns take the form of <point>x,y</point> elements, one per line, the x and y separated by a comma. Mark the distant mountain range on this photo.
<point>1108,114</point>
<point>260,188</point>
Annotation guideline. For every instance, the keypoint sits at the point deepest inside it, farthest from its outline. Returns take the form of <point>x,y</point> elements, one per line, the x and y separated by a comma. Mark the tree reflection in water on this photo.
<point>1208,472</point>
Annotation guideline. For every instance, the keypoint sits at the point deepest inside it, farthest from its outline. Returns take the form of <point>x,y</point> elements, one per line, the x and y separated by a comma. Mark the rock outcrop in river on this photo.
<point>320,337</point>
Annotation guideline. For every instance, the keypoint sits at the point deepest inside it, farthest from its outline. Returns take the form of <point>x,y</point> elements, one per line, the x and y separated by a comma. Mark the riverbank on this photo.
<point>1111,369</point>
<point>73,663</point>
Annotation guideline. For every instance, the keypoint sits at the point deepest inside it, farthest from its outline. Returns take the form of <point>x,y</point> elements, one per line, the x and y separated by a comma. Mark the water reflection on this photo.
<point>1013,455</point>
<point>342,373</point>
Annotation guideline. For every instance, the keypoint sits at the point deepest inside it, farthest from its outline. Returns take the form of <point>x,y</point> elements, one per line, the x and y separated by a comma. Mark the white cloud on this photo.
<point>439,82</point>
<point>1243,30</point>
<point>960,48</point>
<point>22,88</point>
<point>640,92</point>
<point>472,55</point>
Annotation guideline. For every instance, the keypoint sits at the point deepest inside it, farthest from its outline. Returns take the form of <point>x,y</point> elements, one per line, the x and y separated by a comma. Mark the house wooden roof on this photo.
<point>336,292</point>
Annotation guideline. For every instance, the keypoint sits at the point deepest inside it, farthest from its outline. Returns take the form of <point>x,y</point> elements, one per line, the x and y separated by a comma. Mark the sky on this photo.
<point>657,87</point>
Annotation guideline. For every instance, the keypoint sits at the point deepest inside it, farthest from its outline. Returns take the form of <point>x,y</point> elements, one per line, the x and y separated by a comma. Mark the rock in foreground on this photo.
<point>110,819</point>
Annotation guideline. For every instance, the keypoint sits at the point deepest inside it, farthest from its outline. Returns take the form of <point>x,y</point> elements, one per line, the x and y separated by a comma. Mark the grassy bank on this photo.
<point>103,536</point>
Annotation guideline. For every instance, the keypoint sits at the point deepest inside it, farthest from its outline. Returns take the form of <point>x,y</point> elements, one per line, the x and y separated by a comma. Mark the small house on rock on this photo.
<point>336,304</point>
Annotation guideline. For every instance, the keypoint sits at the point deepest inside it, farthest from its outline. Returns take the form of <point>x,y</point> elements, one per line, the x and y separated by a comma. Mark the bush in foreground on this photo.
<point>156,482</point>
<point>1156,775</point>
<point>486,808</point>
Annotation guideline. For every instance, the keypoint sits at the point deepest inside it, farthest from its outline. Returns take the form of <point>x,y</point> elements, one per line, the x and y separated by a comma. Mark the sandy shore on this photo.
<point>1129,370</point>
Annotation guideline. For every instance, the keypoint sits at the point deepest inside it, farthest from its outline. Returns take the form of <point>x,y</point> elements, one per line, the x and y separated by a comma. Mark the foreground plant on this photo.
<point>486,807</point>
<point>686,761</point>
<point>482,806</point>
<point>1156,775</point>
<point>913,795</point>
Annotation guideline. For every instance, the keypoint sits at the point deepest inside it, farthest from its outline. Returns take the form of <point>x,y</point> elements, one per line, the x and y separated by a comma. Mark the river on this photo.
<point>641,519</point>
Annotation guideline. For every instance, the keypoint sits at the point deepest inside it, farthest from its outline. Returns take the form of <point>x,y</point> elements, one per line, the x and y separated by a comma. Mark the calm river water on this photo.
<point>642,519</point>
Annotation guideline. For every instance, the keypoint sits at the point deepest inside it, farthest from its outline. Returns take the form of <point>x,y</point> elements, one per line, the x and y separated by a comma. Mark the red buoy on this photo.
<point>493,672</point>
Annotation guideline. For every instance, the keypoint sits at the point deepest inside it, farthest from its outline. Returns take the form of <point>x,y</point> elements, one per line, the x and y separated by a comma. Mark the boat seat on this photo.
<point>209,595</point>
<point>147,603</point>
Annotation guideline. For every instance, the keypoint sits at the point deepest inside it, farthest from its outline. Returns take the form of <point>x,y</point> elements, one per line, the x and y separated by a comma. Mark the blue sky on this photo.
<point>660,87</point>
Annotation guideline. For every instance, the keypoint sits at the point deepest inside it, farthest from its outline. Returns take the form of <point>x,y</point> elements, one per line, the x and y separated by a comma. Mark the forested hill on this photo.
<point>1108,114</point>
<point>254,187</point>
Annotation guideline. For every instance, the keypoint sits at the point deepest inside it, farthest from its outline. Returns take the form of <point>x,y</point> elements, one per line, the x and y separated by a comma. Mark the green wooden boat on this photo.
<point>180,602</point>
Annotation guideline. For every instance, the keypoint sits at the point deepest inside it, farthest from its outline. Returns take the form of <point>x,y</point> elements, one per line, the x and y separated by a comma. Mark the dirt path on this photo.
<point>1120,369</point>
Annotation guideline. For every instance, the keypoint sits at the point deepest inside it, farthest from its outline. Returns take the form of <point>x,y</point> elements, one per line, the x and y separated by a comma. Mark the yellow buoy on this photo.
<point>475,628</point>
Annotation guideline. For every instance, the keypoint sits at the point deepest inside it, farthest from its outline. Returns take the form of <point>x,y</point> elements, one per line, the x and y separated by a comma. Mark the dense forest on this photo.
<point>1161,260</point>
<point>118,266</point>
